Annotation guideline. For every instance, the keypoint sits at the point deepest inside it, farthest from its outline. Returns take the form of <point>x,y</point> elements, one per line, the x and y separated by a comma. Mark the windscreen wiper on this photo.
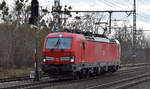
<point>57,43</point>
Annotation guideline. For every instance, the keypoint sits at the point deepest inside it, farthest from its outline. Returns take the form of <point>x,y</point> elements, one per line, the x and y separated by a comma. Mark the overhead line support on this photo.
<point>104,11</point>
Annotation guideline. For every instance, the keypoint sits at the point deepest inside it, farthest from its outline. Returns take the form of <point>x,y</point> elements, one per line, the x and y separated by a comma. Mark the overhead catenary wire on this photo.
<point>114,5</point>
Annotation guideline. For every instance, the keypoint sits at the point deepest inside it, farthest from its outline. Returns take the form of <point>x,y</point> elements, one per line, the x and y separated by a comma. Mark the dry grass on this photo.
<point>6,73</point>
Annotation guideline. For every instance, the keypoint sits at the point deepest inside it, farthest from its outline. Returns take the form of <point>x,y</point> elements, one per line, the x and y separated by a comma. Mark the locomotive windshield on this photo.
<point>59,43</point>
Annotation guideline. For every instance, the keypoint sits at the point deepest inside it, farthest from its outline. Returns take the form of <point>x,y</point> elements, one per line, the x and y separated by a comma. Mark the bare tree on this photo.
<point>5,11</point>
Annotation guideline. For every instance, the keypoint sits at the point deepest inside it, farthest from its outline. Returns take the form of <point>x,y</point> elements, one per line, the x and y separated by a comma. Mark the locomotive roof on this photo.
<point>64,33</point>
<point>90,38</point>
<point>101,39</point>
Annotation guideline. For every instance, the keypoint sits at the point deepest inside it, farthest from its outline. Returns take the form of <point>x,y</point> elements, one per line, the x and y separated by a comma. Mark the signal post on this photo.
<point>34,20</point>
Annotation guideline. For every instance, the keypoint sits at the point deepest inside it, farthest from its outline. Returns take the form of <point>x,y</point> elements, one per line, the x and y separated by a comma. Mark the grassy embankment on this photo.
<point>7,73</point>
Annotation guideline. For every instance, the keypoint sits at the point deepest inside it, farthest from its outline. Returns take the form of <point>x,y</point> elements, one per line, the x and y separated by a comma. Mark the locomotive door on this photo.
<point>83,52</point>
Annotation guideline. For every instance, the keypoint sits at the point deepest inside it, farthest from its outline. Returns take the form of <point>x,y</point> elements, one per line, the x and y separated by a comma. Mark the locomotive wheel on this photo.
<point>102,72</point>
<point>76,75</point>
<point>111,69</point>
<point>87,75</point>
<point>114,69</point>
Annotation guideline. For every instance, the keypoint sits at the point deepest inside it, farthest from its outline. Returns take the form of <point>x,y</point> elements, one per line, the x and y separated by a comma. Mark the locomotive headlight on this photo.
<point>44,60</point>
<point>72,59</point>
<point>48,59</point>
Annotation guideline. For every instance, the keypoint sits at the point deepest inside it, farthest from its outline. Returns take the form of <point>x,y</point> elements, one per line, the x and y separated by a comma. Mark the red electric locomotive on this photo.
<point>67,54</point>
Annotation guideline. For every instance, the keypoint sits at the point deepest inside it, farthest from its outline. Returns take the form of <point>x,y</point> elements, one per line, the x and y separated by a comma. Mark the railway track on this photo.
<point>23,78</point>
<point>124,83</point>
<point>125,72</point>
<point>47,83</point>
<point>83,84</point>
<point>134,65</point>
<point>14,79</point>
<point>28,78</point>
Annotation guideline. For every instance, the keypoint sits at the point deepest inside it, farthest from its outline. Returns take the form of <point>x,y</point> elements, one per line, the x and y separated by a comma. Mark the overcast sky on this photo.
<point>143,8</point>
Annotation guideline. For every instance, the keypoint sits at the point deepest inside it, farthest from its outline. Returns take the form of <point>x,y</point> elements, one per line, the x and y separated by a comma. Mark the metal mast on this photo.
<point>134,16</point>
<point>57,15</point>
<point>134,26</point>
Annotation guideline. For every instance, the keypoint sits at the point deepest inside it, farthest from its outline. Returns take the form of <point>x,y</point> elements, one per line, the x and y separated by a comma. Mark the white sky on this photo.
<point>143,8</point>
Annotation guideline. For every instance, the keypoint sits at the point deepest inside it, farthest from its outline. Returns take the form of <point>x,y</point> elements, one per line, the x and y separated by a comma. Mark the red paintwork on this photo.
<point>92,52</point>
<point>101,52</point>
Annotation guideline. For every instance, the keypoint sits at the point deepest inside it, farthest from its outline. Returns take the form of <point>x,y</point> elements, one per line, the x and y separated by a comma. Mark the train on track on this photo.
<point>77,55</point>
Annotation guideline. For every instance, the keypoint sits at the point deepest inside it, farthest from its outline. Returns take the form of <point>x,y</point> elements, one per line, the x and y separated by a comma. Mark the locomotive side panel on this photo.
<point>113,52</point>
<point>78,50</point>
<point>101,52</point>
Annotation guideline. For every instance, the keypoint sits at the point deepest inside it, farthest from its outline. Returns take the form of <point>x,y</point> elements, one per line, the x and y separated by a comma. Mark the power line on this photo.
<point>100,4</point>
<point>108,4</point>
<point>114,4</point>
<point>86,11</point>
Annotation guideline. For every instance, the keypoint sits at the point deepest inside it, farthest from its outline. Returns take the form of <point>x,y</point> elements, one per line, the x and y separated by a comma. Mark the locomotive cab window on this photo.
<point>58,43</point>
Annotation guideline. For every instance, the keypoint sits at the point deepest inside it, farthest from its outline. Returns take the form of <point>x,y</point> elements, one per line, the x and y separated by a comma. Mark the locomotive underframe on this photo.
<point>55,70</point>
